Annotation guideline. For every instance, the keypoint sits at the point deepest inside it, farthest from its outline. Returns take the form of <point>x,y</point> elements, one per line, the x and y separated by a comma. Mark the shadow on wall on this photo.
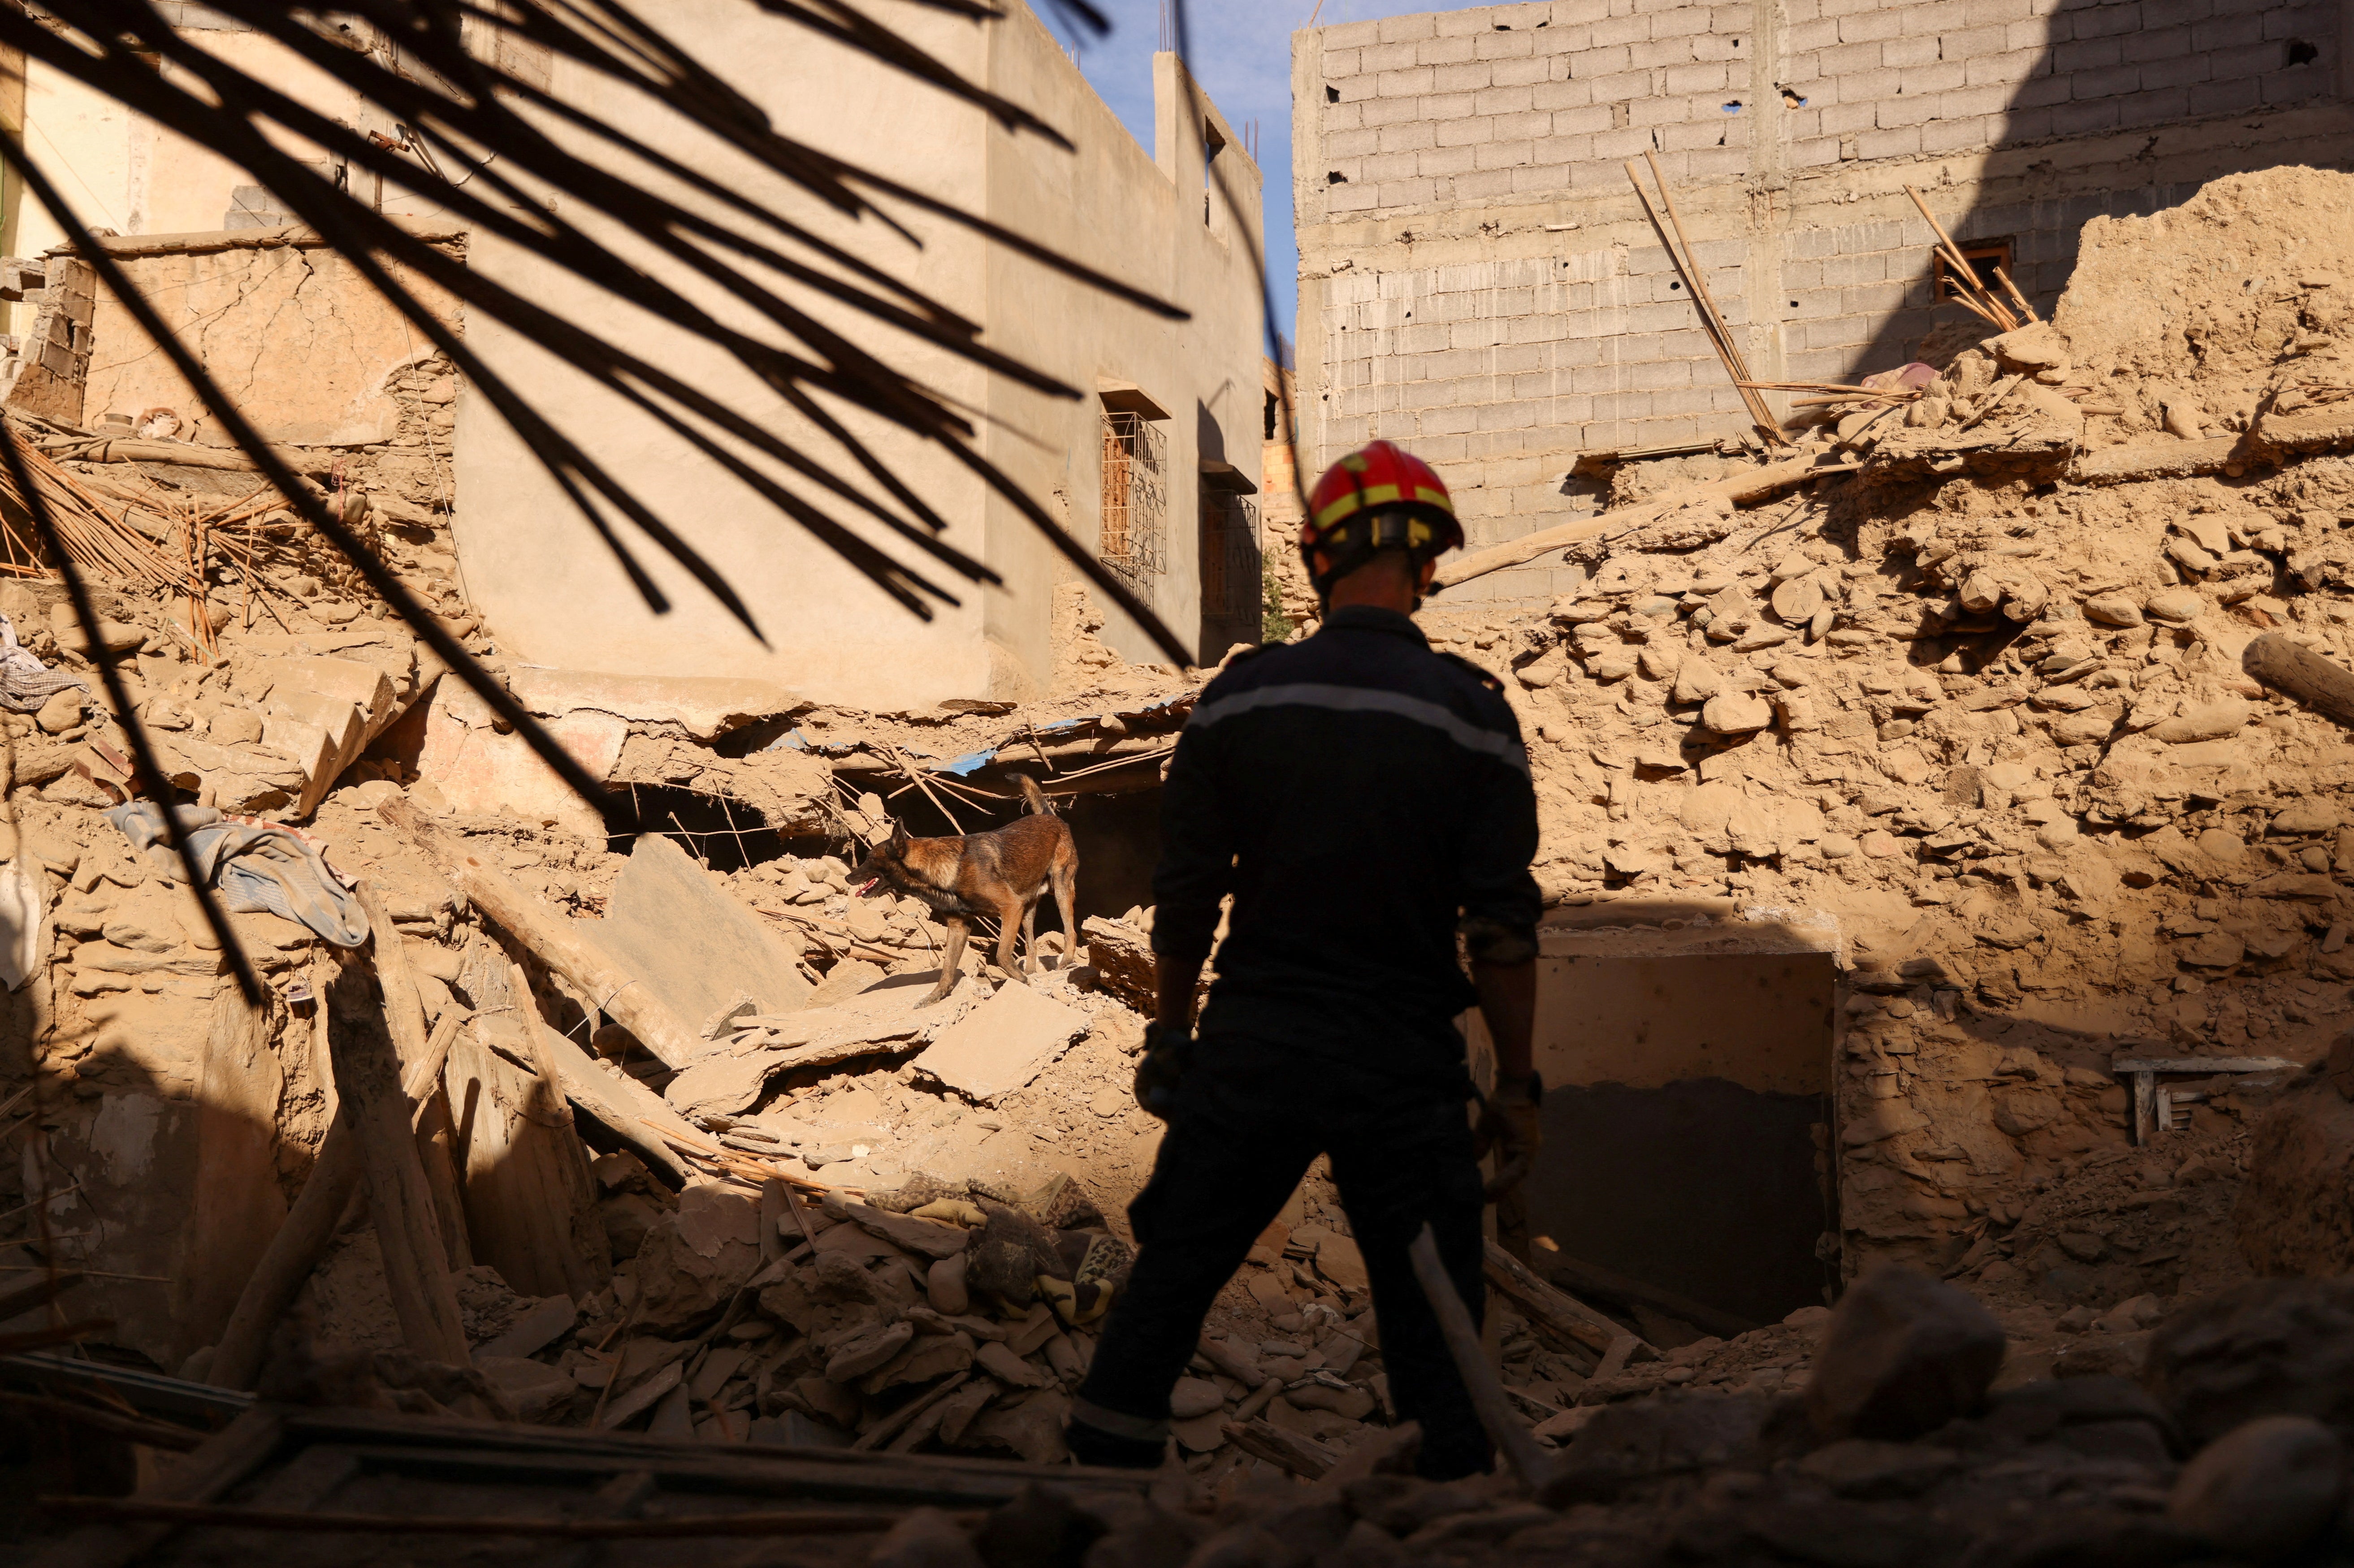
<point>2161,78</point>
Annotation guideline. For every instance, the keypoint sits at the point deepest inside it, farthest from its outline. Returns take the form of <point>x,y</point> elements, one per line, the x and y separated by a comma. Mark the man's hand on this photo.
<point>1168,1052</point>
<point>1510,1126</point>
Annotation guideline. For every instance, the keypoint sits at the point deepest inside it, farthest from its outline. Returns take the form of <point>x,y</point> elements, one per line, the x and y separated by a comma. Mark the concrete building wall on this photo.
<point>1477,280</point>
<point>560,599</point>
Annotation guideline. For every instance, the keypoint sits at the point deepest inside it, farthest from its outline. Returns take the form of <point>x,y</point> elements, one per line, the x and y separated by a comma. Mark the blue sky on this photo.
<point>1242,54</point>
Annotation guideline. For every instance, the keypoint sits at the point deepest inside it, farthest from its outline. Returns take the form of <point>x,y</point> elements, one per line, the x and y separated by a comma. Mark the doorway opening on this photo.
<point>1688,1060</point>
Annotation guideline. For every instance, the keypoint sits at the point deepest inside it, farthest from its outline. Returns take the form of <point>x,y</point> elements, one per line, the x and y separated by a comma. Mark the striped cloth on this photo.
<point>24,682</point>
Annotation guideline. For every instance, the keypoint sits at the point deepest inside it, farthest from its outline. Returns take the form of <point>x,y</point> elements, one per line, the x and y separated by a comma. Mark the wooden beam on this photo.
<point>2318,682</point>
<point>2203,1067</point>
<point>1548,1306</point>
<point>404,1013</point>
<point>368,1083</point>
<point>1752,484</point>
<point>1590,1279</point>
<point>553,940</point>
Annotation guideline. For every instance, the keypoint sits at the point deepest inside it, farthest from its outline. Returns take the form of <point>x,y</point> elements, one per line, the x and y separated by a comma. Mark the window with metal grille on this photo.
<point>1230,558</point>
<point>1133,542</point>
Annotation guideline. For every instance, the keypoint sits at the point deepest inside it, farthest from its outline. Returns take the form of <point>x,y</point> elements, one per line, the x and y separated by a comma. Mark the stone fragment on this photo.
<point>2036,346</point>
<point>1735,713</point>
<point>534,1389</point>
<point>944,1288</point>
<point>2307,817</point>
<point>1696,681</point>
<point>2112,609</point>
<point>1007,1368</point>
<point>925,1538</point>
<point>2263,1489</point>
<point>62,711</point>
<point>1194,1397</point>
<point>694,1258</point>
<point>2214,950</point>
<point>2207,721</point>
<point>2268,1347</point>
<point>1004,1043</point>
<point>864,1351</point>
<point>2175,607</point>
<point>1903,1355</point>
<point>1640,1440</point>
<point>1796,600</point>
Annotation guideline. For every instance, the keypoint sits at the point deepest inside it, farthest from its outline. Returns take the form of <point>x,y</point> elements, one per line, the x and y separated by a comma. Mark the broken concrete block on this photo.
<point>697,1256</point>
<point>1903,1355</point>
<point>534,1389</point>
<point>1002,1045</point>
<point>481,772</point>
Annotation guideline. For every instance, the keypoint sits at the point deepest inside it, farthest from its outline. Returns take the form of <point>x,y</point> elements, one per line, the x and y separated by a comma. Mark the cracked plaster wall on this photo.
<point>294,332</point>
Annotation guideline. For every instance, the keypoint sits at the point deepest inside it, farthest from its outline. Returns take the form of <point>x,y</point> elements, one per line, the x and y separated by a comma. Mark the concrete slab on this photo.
<point>1002,1044</point>
<point>695,945</point>
<point>731,1079</point>
<point>702,706</point>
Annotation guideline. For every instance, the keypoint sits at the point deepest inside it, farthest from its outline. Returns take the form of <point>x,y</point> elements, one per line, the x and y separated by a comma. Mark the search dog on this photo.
<point>1003,872</point>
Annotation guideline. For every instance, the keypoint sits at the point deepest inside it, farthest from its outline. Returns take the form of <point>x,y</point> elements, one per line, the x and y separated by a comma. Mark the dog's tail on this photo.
<point>1034,799</point>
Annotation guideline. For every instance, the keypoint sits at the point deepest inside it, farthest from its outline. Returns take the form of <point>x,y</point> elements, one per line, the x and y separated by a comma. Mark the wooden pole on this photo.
<point>368,1083</point>
<point>235,1203</point>
<point>2287,666</point>
<point>404,1013</point>
<point>1696,277</point>
<point>1751,485</point>
<point>1726,354</point>
<point>309,1226</point>
<point>1965,276</point>
<point>551,940</point>
<point>1506,1430</point>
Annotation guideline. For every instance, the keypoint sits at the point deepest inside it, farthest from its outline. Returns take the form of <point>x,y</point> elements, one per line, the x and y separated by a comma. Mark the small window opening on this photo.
<point>1335,178</point>
<point>1792,99</point>
<point>1332,94</point>
<point>1130,537</point>
<point>1733,107</point>
<point>1984,256</point>
<point>2302,53</point>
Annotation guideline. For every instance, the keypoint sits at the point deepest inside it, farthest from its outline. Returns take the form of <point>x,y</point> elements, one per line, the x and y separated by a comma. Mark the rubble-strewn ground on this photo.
<point>1981,700</point>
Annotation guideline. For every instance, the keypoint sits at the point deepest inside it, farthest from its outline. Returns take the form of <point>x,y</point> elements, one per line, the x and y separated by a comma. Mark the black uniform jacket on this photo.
<point>1363,797</point>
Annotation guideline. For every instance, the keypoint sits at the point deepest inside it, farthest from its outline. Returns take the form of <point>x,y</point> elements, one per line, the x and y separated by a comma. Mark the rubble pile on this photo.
<point>1900,1444</point>
<point>1982,699</point>
<point>1975,696</point>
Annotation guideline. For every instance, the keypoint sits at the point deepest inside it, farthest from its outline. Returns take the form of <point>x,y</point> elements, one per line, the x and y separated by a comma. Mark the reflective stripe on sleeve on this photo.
<point>1367,699</point>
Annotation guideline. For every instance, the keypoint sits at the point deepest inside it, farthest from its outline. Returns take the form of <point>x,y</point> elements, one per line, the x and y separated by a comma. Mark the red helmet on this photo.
<point>1375,498</point>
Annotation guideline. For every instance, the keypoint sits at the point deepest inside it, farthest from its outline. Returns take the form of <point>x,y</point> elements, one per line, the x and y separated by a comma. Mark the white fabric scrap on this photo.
<point>24,900</point>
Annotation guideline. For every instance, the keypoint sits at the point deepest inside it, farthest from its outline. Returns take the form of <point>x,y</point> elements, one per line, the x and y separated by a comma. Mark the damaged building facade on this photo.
<point>1154,465</point>
<point>1477,280</point>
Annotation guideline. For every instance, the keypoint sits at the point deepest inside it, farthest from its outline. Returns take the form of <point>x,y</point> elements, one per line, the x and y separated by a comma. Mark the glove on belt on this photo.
<point>1168,1052</point>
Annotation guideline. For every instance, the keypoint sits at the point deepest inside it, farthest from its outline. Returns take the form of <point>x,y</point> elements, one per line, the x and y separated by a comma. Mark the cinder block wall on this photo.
<point>1477,280</point>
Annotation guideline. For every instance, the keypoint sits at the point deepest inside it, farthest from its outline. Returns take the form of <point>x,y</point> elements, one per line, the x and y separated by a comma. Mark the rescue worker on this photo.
<point>1366,801</point>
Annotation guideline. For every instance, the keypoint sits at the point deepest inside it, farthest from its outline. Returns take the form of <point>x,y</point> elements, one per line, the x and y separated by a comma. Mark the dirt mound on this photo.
<point>2208,295</point>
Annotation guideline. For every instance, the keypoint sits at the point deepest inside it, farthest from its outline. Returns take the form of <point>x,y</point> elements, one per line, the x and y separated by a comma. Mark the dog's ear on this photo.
<point>898,841</point>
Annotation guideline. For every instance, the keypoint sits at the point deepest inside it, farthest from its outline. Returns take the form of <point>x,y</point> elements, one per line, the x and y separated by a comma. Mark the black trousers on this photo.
<point>1249,1119</point>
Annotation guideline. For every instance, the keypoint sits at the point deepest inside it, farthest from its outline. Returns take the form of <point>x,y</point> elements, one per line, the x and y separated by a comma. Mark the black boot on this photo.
<point>1093,1446</point>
